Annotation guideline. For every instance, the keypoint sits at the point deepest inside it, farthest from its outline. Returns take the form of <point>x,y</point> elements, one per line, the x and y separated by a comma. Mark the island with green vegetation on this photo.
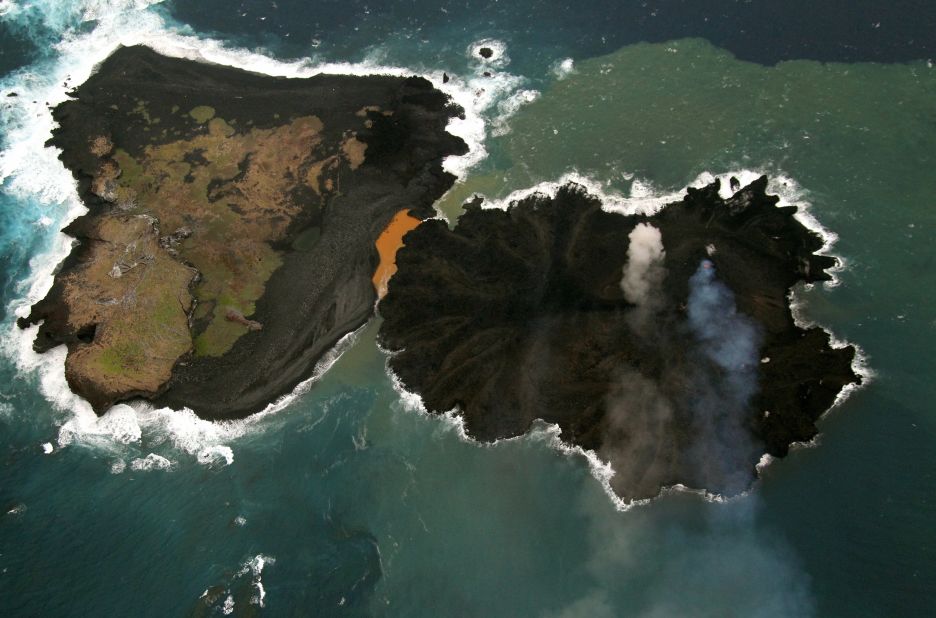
<point>239,225</point>
<point>230,239</point>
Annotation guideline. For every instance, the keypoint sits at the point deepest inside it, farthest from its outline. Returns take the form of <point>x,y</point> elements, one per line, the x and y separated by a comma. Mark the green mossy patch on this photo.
<point>221,186</point>
<point>121,358</point>
<point>202,113</point>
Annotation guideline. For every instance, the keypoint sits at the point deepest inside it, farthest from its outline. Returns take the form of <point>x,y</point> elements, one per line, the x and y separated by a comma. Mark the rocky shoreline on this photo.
<point>230,238</point>
<point>240,225</point>
<point>665,343</point>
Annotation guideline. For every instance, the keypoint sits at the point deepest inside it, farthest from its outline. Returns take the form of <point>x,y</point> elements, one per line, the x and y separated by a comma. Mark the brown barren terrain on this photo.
<point>230,239</point>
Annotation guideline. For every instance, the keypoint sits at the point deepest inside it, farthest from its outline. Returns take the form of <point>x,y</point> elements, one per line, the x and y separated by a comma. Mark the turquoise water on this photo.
<point>350,502</point>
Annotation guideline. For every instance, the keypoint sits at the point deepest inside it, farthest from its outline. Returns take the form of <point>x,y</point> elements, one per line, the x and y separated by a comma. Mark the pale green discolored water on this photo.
<point>858,142</point>
<point>355,505</point>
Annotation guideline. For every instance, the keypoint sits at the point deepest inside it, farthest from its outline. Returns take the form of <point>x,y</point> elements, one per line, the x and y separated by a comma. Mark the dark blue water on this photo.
<point>348,502</point>
<point>764,31</point>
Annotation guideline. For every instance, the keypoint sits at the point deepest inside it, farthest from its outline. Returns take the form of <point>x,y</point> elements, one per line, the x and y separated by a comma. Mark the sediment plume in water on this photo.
<point>628,332</point>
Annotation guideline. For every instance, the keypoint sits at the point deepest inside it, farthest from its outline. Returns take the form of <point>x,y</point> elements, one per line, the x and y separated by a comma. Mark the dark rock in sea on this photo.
<point>445,78</point>
<point>13,94</point>
<point>487,74</point>
<point>665,343</point>
<point>486,52</point>
<point>221,201</point>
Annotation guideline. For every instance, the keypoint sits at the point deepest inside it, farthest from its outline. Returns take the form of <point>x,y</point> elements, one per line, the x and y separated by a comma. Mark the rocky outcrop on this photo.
<point>219,201</point>
<point>665,343</point>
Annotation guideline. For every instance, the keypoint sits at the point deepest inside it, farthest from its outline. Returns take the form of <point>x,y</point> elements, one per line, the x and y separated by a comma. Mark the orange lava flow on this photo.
<point>388,243</point>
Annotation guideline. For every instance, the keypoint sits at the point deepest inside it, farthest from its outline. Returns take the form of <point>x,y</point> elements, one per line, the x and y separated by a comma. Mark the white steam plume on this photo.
<point>644,271</point>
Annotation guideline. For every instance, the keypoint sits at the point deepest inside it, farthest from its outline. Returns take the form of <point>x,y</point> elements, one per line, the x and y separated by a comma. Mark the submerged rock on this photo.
<point>645,338</point>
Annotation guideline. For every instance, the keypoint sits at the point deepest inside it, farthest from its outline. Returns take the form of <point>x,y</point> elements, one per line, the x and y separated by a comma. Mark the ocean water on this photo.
<point>345,499</point>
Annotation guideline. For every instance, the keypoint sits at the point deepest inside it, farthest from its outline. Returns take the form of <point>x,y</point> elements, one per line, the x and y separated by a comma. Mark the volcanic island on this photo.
<point>665,343</point>
<point>239,225</point>
<point>230,239</point>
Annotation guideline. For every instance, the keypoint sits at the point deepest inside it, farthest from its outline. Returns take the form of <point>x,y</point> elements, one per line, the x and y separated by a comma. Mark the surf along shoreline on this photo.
<point>298,239</point>
<point>676,385</point>
<point>368,147</point>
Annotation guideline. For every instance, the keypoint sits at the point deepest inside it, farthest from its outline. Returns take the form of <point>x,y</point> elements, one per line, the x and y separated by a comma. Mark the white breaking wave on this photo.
<point>508,107</point>
<point>641,200</point>
<point>218,453</point>
<point>644,199</point>
<point>124,425</point>
<point>480,95</point>
<point>33,173</point>
<point>412,402</point>
<point>551,435</point>
<point>498,53</point>
<point>151,462</point>
<point>60,14</point>
<point>563,68</point>
<point>543,432</point>
<point>861,363</point>
<point>254,567</point>
<point>17,509</point>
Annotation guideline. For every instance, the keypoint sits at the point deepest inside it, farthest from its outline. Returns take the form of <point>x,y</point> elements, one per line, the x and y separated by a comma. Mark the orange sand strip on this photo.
<point>389,241</point>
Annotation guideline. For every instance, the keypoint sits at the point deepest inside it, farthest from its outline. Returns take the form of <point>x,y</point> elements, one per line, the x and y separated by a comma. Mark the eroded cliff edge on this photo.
<point>665,343</point>
<point>230,238</point>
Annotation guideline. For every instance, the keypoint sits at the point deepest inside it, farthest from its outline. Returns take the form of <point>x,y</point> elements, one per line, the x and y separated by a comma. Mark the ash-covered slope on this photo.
<point>232,218</point>
<point>665,343</point>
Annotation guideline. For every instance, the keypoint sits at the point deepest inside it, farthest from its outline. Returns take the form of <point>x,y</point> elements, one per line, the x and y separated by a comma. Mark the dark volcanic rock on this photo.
<point>261,196</point>
<point>521,314</point>
<point>486,52</point>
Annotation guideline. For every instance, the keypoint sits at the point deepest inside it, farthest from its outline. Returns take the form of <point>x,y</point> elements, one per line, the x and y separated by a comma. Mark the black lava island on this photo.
<point>665,343</point>
<point>239,225</point>
<point>231,227</point>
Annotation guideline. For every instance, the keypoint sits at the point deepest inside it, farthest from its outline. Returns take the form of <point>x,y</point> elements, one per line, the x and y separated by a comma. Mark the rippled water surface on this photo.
<point>347,500</point>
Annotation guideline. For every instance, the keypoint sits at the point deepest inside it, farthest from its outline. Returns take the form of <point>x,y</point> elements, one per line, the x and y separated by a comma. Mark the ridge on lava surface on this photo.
<point>664,343</point>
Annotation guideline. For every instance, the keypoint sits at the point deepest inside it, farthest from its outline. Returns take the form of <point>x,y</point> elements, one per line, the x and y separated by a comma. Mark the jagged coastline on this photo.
<point>664,343</point>
<point>230,238</point>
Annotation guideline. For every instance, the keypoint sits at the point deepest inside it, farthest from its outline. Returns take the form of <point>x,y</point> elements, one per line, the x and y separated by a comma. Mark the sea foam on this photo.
<point>32,173</point>
<point>563,68</point>
<point>645,199</point>
<point>549,434</point>
<point>151,462</point>
<point>251,568</point>
<point>497,49</point>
